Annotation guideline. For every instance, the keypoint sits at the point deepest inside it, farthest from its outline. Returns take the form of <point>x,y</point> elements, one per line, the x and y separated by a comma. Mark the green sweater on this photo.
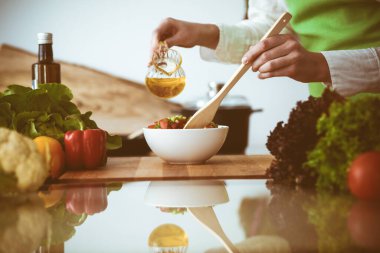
<point>324,25</point>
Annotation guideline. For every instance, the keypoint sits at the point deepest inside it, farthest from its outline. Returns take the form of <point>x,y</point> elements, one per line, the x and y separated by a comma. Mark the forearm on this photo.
<point>207,35</point>
<point>354,71</point>
<point>234,40</point>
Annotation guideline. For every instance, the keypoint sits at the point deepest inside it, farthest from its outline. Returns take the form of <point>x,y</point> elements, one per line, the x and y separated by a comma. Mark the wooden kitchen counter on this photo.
<point>153,168</point>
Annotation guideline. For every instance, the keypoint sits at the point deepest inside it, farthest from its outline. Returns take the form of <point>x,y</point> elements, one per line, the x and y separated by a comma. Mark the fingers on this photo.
<point>290,48</point>
<point>262,46</point>
<point>278,63</point>
<point>165,30</point>
<point>289,71</point>
<point>270,55</point>
<point>281,55</point>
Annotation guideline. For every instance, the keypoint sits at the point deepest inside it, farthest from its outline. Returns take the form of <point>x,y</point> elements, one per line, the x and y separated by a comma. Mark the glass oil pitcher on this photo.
<point>166,78</point>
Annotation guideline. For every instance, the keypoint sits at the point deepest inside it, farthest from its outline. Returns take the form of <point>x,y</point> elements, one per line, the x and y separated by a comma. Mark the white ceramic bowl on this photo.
<point>190,193</point>
<point>186,146</point>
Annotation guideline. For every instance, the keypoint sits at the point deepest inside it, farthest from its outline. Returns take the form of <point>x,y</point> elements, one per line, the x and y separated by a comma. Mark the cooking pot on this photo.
<point>234,112</point>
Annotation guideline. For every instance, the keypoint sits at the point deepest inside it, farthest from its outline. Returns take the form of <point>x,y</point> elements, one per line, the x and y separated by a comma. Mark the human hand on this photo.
<point>175,33</point>
<point>283,55</point>
<point>184,34</point>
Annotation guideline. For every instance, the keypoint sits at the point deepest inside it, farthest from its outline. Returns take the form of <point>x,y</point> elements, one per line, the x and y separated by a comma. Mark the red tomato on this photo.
<point>164,123</point>
<point>364,176</point>
<point>175,122</point>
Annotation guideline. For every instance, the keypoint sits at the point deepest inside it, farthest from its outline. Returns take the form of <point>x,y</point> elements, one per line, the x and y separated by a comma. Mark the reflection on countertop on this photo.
<point>155,216</point>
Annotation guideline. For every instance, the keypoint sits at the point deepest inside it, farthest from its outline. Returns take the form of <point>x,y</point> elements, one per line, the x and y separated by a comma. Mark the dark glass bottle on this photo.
<point>45,70</point>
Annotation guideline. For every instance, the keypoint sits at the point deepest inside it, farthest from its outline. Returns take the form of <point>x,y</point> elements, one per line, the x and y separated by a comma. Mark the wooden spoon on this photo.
<point>206,216</point>
<point>206,114</point>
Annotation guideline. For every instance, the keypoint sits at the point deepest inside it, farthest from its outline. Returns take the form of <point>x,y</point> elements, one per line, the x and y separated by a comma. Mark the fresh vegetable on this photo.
<point>346,131</point>
<point>24,222</point>
<point>86,200</point>
<point>328,213</point>
<point>64,221</point>
<point>52,151</point>
<point>176,122</point>
<point>289,143</point>
<point>51,197</point>
<point>364,176</point>
<point>85,149</point>
<point>314,221</point>
<point>289,218</point>
<point>46,111</point>
<point>22,168</point>
<point>364,225</point>
<point>63,224</point>
<point>173,210</point>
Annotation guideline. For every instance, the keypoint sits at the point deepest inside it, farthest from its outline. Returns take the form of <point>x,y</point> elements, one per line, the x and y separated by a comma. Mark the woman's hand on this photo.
<point>283,55</point>
<point>185,34</point>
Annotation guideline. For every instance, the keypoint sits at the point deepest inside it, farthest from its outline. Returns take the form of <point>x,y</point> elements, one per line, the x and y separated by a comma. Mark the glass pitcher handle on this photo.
<point>170,72</point>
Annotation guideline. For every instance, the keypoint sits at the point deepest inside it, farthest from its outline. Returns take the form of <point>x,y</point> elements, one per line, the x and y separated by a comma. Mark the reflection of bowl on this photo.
<point>199,193</point>
<point>186,146</point>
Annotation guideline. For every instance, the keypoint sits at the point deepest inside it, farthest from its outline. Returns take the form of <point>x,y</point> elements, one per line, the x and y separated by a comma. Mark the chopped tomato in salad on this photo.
<point>175,122</point>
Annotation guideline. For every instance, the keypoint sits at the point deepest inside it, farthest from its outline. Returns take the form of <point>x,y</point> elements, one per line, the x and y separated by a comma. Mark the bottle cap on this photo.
<point>45,38</point>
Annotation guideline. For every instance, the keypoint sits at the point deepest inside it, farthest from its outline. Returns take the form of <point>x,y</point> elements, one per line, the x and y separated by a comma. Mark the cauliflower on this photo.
<point>22,167</point>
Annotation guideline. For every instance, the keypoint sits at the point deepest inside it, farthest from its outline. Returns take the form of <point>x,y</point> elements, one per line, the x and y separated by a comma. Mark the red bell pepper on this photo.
<point>86,200</point>
<point>85,149</point>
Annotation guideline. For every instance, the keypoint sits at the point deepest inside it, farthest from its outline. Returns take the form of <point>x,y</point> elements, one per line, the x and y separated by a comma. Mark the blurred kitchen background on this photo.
<point>114,37</point>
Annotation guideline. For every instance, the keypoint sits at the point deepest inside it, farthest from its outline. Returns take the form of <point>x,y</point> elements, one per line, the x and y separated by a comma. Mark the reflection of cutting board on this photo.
<point>153,168</point>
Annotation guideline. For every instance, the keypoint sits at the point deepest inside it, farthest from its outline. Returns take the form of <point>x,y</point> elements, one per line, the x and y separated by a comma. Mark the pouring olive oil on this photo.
<point>166,78</point>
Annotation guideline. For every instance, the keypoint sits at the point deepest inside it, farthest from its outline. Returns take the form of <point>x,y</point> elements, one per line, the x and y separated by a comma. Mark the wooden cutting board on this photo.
<point>153,168</point>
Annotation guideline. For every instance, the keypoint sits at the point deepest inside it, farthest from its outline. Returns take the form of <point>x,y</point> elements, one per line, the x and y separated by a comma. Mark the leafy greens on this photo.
<point>289,143</point>
<point>346,131</point>
<point>46,111</point>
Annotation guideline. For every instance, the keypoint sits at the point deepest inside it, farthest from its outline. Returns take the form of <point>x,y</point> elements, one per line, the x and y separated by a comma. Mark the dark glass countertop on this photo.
<point>136,217</point>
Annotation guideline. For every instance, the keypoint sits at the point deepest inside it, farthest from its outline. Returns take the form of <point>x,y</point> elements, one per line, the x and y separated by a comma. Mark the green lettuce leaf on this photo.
<point>346,131</point>
<point>113,142</point>
<point>6,114</point>
<point>57,91</point>
<point>16,89</point>
<point>46,111</point>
